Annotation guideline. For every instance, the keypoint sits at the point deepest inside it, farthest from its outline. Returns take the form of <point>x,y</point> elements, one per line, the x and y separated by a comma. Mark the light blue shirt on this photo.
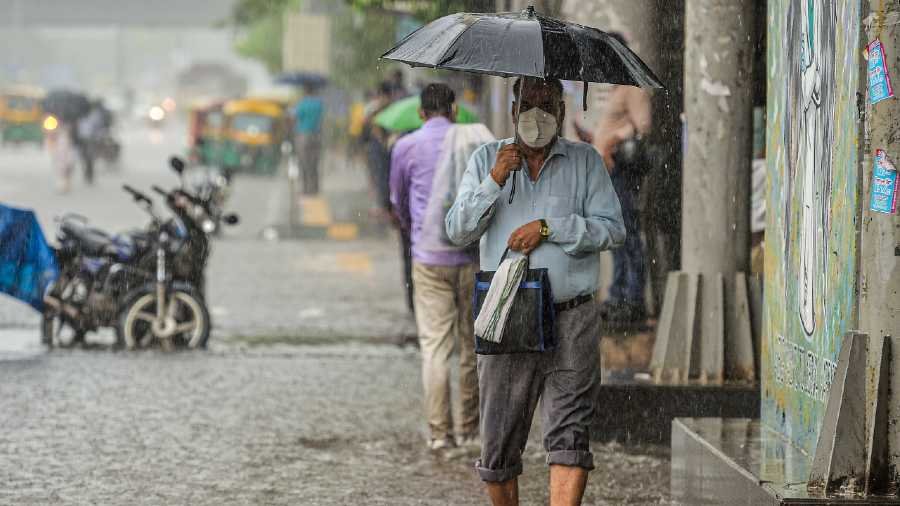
<point>573,193</point>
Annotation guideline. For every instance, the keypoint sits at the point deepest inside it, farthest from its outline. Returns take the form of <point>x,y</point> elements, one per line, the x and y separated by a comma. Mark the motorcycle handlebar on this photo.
<point>137,194</point>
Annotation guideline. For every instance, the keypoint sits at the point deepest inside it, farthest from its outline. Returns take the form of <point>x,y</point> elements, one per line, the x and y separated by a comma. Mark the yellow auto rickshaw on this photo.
<point>21,115</point>
<point>207,133</point>
<point>254,132</point>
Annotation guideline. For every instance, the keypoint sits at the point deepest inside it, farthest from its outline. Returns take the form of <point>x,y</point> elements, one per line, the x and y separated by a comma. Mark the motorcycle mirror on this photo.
<point>231,219</point>
<point>177,164</point>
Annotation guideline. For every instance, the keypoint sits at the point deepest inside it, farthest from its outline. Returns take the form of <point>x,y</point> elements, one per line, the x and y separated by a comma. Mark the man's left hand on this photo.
<point>526,238</point>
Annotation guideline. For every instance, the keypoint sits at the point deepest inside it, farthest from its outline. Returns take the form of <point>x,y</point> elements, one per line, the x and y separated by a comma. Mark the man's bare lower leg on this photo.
<point>567,485</point>
<point>505,493</point>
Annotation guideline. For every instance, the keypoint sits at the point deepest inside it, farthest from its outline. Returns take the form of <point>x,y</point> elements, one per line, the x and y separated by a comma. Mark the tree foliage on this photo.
<point>360,38</point>
<point>261,26</point>
<point>426,10</point>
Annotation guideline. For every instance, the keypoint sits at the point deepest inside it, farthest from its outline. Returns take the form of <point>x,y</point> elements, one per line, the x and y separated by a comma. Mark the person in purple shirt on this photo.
<point>443,274</point>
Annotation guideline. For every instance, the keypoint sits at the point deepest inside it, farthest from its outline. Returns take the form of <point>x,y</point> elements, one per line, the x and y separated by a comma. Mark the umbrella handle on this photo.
<point>512,189</point>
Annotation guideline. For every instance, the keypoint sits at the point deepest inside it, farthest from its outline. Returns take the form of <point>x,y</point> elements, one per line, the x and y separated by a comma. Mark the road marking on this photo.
<point>360,263</point>
<point>315,211</point>
<point>343,231</point>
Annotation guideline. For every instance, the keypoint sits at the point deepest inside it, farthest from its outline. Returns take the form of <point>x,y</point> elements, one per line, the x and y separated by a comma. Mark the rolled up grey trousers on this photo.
<point>564,380</point>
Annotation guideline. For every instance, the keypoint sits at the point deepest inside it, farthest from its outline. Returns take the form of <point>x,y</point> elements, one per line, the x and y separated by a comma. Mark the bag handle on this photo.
<point>506,252</point>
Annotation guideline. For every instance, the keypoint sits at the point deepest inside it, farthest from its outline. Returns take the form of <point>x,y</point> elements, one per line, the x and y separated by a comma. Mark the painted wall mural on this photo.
<point>812,147</point>
<point>811,86</point>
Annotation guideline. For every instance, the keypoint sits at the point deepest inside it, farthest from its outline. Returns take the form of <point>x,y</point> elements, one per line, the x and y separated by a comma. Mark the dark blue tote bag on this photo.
<point>531,327</point>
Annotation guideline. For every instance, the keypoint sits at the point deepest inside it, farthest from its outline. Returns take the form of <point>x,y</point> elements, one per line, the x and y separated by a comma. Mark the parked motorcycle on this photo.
<point>147,284</point>
<point>172,312</point>
<point>211,186</point>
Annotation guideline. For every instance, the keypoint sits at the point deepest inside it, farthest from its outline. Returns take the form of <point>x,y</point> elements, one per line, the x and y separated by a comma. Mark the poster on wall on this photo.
<point>879,79</point>
<point>884,185</point>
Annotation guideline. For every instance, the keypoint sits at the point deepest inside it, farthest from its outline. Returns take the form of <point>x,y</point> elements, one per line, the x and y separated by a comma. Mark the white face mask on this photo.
<point>537,127</point>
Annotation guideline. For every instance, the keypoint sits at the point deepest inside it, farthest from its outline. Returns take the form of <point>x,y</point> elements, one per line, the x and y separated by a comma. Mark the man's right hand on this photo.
<point>509,158</point>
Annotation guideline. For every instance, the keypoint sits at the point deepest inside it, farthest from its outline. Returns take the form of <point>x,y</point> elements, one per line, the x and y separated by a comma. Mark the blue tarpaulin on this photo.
<point>27,263</point>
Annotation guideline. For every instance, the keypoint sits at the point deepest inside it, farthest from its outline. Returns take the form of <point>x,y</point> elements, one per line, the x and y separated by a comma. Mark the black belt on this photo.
<point>573,303</point>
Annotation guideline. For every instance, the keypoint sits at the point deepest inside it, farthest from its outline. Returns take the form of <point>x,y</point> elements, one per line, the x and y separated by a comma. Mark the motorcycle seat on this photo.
<point>91,241</point>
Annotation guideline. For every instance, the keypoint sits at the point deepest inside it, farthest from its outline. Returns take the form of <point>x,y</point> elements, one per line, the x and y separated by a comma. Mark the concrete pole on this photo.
<point>879,242</point>
<point>718,109</point>
<point>704,330</point>
<point>879,276</point>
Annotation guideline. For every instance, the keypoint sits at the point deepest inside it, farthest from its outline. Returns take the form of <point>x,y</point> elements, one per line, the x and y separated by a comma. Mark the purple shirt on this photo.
<point>414,161</point>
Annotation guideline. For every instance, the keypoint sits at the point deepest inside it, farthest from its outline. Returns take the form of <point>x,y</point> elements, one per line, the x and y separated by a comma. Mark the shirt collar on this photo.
<point>437,121</point>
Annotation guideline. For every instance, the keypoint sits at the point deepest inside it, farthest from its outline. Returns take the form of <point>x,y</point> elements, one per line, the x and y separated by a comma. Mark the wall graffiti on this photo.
<point>812,147</point>
<point>810,102</point>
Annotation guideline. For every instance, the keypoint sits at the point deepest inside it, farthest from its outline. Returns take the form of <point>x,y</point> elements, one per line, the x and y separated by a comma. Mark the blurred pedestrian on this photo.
<point>378,154</point>
<point>62,152</point>
<point>625,120</point>
<point>308,115</point>
<point>564,212</point>
<point>398,85</point>
<point>87,130</point>
<point>442,274</point>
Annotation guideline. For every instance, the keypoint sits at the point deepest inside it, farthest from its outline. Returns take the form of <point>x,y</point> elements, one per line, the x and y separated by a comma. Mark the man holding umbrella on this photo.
<point>565,213</point>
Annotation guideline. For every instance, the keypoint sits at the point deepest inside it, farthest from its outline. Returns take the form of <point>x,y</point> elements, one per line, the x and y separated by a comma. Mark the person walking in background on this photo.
<point>397,84</point>
<point>563,214</point>
<point>626,118</point>
<point>85,133</point>
<point>62,154</point>
<point>308,115</point>
<point>443,275</point>
<point>378,155</point>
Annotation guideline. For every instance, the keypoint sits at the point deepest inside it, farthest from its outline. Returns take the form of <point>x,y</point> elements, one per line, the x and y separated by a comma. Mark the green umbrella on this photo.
<point>403,115</point>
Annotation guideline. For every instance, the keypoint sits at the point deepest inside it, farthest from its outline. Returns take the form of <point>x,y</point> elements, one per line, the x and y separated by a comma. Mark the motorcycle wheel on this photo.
<point>57,332</point>
<point>187,312</point>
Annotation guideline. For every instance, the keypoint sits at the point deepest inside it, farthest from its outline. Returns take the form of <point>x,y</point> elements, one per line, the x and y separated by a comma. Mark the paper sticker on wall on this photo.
<point>879,79</point>
<point>884,185</point>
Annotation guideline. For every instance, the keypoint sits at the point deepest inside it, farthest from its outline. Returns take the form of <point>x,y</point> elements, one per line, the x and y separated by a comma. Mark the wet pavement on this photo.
<point>330,425</point>
<point>260,418</point>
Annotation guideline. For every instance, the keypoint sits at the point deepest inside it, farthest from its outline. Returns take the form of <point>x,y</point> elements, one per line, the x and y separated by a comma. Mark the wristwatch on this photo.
<point>545,229</point>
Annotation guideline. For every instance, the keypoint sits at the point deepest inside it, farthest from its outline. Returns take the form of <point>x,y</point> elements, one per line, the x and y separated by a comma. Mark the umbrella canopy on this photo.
<point>403,115</point>
<point>66,105</point>
<point>523,44</point>
<point>302,79</point>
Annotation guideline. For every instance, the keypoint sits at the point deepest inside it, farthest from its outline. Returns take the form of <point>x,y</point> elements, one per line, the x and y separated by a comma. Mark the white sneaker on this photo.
<point>440,444</point>
<point>471,440</point>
